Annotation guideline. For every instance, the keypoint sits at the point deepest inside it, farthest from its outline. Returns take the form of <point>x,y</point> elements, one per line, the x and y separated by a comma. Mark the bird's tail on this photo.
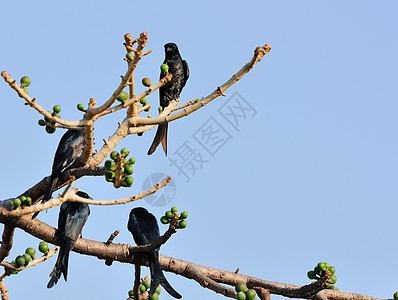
<point>49,191</point>
<point>61,266</point>
<point>160,137</point>
<point>50,188</point>
<point>157,277</point>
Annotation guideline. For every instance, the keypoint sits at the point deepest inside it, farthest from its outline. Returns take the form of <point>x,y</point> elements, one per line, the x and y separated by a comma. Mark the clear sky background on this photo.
<point>309,175</point>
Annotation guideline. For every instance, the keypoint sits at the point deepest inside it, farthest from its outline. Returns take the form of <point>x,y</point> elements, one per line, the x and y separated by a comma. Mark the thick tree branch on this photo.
<point>262,293</point>
<point>193,272</point>
<point>127,254</point>
<point>37,191</point>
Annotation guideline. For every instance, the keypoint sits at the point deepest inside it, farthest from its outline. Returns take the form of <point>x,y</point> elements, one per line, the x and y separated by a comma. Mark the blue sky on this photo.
<point>309,175</point>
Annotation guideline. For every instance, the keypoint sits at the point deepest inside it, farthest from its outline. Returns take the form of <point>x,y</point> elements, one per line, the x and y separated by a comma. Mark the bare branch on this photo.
<point>3,290</point>
<point>132,65</point>
<point>258,55</point>
<point>71,196</point>
<point>193,272</point>
<point>109,262</point>
<point>262,293</point>
<point>211,278</point>
<point>125,253</point>
<point>319,296</point>
<point>7,240</point>
<point>32,102</point>
<point>189,103</point>
<point>112,237</point>
<point>137,281</point>
<point>34,262</point>
<point>161,240</point>
<point>37,191</point>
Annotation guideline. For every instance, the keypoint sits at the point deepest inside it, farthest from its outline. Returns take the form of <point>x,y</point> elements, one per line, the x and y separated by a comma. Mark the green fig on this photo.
<point>25,81</point>
<point>164,68</point>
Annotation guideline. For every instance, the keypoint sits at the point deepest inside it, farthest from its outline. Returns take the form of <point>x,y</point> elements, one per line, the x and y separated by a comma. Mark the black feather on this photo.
<point>171,90</point>
<point>145,230</point>
<point>71,219</point>
<point>69,148</point>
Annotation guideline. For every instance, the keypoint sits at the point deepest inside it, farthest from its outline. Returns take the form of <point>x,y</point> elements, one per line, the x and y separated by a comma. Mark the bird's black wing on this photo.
<point>143,226</point>
<point>75,220</point>
<point>62,217</point>
<point>66,147</point>
<point>69,148</point>
<point>71,219</point>
<point>186,73</point>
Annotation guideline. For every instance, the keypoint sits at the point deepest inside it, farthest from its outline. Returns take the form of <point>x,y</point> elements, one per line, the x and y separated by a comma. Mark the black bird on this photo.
<point>69,148</point>
<point>71,219</point>
<point>171,90</point>
<point>145,230</point>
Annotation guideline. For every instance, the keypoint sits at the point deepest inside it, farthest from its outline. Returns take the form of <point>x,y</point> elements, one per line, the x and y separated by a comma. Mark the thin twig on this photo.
<point>258,55</point>
<point>189,103</point>
<point>33,103</point>
<point>32,263</point>
<point>109,262</point>
<point>135,99</point>
<point>159,242</point>
<point>141,44</point>
<point>71,196</point>
<point>112,237</point>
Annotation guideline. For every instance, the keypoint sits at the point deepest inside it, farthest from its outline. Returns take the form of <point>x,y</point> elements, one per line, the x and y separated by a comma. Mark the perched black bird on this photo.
<point>71,219</point>
<point>145,230</point>
<point>171,90</point>
<point>69,148</point>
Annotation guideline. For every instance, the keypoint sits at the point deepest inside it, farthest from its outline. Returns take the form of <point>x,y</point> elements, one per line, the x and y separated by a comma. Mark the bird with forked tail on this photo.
<point>71,219</point>
<point>145,230</point>
<point>171,90</point>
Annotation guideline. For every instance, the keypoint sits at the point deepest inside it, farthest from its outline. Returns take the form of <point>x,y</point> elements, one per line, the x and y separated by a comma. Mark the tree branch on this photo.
<point>7,240</point>
<point>34,262</point>
<point>126,254</point>
<point>160,241</point>
<point>262,293</point>
<point>137,281</point>
<point>32,102</point>
<point>193,272</point>
<point>37,191</point>
<point>3,290</point>
<point>258,55</point>
<point>72,197</point>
